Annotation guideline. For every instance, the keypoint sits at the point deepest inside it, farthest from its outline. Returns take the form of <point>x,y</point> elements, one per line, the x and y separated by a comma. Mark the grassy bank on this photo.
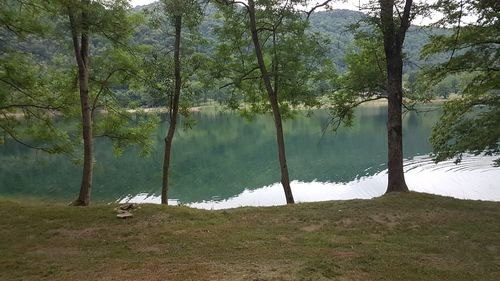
<point>397,237</point>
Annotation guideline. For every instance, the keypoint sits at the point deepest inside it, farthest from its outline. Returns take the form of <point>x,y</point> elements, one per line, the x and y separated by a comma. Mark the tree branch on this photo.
<point>405,21</point>
<point>231,2</point>
<point>48,107</point>
<point>18,140</point>
<point>308,13</point>
<point>336,121</point>
<point>458,33</point>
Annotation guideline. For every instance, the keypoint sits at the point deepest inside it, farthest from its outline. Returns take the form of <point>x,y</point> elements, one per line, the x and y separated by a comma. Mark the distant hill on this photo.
<point>333,24</point>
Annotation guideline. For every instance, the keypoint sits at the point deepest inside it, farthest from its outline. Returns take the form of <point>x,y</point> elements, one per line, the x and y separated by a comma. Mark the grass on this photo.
<point>396,237</point>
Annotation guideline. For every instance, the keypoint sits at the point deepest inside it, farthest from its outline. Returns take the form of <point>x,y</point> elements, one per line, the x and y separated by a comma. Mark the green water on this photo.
<point>220,157</point>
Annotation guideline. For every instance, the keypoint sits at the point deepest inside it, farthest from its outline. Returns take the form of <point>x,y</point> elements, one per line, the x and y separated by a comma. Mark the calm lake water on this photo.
<point>226,161</point>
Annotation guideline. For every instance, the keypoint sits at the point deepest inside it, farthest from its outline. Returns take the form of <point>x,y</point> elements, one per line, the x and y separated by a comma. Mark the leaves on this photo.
<point>469,123</point>
<point>294,57</point>
<point>39,103</point>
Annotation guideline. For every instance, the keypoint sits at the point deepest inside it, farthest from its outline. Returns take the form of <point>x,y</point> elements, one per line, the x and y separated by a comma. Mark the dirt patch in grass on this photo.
<point>312,228</point>
<point>85,233</point>
<point>439,261</point>
<point>388,220</point>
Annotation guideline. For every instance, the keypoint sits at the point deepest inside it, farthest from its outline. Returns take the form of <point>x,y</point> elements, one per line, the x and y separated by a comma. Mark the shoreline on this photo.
<point>218,107</point>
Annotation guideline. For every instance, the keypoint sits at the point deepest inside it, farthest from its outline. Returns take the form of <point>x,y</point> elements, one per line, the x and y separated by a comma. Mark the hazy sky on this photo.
<point>346,4</point>
<point>140,2</point>
<point>335,5</point>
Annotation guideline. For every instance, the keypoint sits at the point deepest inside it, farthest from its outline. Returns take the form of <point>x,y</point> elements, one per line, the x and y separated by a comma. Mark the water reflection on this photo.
<point>474,178</point>
<point>224,157</point>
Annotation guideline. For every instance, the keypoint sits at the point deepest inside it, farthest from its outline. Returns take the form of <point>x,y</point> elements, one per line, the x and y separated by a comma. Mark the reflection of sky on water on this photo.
<point>474,178</point>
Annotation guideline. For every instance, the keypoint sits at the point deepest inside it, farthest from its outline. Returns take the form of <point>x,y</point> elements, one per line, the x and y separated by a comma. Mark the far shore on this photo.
<point>214,106</point>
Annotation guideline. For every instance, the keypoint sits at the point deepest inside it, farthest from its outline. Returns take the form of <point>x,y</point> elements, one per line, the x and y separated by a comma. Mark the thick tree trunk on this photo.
<point>174,109</point>
<point>393,47</point>
<point>396,178</point>
<point>273,99</point>
<point>81,49</point>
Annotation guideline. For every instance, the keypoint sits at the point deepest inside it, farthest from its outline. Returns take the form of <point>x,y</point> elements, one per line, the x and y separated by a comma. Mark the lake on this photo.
<point>226,161</point>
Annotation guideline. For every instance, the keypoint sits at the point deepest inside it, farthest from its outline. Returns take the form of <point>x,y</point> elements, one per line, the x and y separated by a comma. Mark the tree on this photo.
<point>283,66</point>
<point>469,123</point>
<point>394,31</point>
<point>38,80</point>
<point>98,76</point>
<point>80,32</point>
<point>391,20</point>
<point>166,81</point>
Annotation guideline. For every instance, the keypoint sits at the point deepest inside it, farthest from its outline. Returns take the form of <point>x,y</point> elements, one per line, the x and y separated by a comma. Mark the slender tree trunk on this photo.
<point>273,99</point>
<point>393,45</point>
<point>81,49</point>
<point>174,109</point>
<point>86,185</point>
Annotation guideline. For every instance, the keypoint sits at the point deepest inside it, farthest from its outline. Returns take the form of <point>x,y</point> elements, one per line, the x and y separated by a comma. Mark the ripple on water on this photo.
<point>474,178</point>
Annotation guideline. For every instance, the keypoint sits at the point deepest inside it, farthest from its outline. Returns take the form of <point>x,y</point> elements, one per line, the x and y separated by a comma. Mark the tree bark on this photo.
<point>174,109</point>
<point>393,45</point>
<point>81,49</point>
<point>273,99</point>
<point>396,178</point>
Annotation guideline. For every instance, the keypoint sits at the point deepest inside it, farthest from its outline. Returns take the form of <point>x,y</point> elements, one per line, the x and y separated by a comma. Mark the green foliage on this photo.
<point>366,66</point>
<point>29,100</point>
<point>364,79</point>
<point>127,129</point>
<point>158,61</point>
<point>20,19</point>
<point>333,25</point>
<point>294,56</point>
<point>113,66</point>
<point>469,123</point>
<point>39,103</point>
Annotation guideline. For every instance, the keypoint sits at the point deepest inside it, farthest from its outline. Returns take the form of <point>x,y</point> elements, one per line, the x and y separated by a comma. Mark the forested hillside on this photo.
<point>334,24</point>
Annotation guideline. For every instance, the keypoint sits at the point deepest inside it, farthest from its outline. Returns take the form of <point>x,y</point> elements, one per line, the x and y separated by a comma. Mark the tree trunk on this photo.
<point>273,99</point>
<point>81,49</point>
<point>174,109</point>
<point>396,178</point>
<point>86,186</point>
<point>393,47</point>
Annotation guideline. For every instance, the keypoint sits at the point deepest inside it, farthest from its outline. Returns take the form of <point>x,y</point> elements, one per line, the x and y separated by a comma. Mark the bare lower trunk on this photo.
<point>86,185</point>
<point>396,178</point>
<point>81,49</point>
<point>166,162</point>
<point>285,180</point>
<point>174,110</point>
<point>273,99</point>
